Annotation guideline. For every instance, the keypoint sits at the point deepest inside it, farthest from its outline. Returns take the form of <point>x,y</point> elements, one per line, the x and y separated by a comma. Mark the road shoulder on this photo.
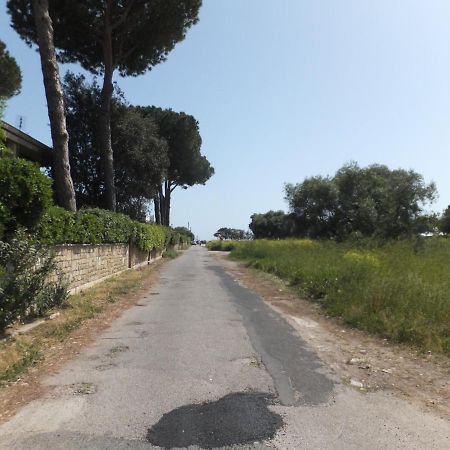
<point>366,363</point>
<point>56,343</point>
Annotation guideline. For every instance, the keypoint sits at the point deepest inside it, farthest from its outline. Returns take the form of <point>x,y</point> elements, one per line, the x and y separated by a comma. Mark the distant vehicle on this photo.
<point>194,243</point>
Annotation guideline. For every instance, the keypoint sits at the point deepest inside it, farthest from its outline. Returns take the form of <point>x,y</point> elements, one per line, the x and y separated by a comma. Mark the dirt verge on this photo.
<point>59,340</point>
<point>365,362</point>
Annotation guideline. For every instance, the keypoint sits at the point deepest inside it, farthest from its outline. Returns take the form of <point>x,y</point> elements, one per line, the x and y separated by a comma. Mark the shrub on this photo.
<point>97,226</point>
<point>151,236</point>
<point>170,254</point>
<point>178,238</point>
<point>25,193</point>
<point>26,286</point>
<point>57,226</point>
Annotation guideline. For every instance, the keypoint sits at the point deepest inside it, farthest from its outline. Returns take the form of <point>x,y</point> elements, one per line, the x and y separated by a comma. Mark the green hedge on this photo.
<point>25,193</point>
<point>98,226</point>
<point>26,204</point>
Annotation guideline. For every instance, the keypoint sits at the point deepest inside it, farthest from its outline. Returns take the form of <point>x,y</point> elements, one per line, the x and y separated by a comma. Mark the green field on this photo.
<point>399,290</point>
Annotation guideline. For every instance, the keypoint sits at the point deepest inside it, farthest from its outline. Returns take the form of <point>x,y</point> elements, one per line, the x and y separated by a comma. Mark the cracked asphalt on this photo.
<point>201,362</point>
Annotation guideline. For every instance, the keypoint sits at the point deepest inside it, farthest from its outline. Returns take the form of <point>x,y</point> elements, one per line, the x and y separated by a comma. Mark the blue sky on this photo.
<point>287,89</point>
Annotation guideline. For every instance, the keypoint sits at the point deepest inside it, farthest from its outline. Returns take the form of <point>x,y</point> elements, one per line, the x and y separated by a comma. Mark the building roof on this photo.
<point>25,146</point>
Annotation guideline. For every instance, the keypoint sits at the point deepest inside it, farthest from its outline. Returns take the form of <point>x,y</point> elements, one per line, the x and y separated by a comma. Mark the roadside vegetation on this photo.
<point>19,353</point>
<point>171,254</point>
<point>362,244</point>
<point>399,290</point>
<point>103,180</point>
<point>30,224</point>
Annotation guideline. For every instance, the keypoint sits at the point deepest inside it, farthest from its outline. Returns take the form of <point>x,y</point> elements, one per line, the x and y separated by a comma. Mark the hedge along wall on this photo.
<point>94,244</point>
<point>98,226</point>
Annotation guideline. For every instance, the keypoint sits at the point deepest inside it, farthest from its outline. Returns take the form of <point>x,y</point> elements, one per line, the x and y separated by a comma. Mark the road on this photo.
<point>201,362</point>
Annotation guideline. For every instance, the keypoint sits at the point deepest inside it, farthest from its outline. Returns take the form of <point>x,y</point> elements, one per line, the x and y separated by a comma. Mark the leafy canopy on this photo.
<point>25,194</point>
<point>273,224</point>
<point>232,233</point>
<point>142,32</point>
<point>369,201</point>
<point>10,75</point>
<point>187,166</point>
<point>140,155</point>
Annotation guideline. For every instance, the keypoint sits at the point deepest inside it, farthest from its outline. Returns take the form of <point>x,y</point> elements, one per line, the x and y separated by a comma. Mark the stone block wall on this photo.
<point>138,257</point>
<point>86,265</point>
<point>83,265</point>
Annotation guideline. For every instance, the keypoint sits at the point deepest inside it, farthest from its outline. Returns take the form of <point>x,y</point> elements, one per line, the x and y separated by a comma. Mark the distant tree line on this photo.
<point>233,234</point>
<point>372,201</point>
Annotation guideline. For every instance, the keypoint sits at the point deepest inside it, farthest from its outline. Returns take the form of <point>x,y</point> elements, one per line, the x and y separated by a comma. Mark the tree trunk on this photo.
<point>157,209</point>
<point>167,204</point>
<point>162,204</point>
<point>65,194</point>
<point>105,114</point>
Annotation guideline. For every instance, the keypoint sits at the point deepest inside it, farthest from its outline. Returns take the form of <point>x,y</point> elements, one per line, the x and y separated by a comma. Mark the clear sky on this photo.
<point>287,89</point>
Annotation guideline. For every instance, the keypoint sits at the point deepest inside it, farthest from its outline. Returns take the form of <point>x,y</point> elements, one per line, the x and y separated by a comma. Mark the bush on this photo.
<point>98,226</point>
<point>170,254</point>
<point>25,193</point>
<point>151,236</point>
<point>26,289</point>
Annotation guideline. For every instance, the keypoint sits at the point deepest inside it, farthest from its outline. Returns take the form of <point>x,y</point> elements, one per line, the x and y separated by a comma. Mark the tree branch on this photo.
<point>124,15</point>
<point>125,55</point>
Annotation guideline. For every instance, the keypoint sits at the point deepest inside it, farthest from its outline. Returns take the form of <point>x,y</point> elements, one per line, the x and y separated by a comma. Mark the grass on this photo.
<point>399,290</point>
<point>171,254</point>
<point>18,354</point>
<point>18,358</point>
<point>224,246</point>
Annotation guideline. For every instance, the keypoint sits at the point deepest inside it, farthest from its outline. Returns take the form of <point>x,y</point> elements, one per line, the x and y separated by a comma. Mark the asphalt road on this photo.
<point>201,362</point>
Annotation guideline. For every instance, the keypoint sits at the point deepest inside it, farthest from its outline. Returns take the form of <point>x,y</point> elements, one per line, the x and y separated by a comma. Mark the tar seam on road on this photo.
<point>296,370</point>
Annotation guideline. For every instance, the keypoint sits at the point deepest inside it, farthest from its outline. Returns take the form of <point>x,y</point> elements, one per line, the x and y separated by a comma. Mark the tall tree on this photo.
<point>314,203</point>
<point>141,162</point>
<point>444,224</point>
<point>128,36</point>
<point>273,224</point>
<point>232,233</point>
<point>140,155</point>
<point>53,91</point>
<point>10,75</point>
<point>368,201</point>
<point>187,166</point>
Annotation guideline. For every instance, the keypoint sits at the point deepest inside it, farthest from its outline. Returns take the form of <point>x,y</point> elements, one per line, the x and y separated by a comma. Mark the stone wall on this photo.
<point>85,265</point>
<point>138,257</point>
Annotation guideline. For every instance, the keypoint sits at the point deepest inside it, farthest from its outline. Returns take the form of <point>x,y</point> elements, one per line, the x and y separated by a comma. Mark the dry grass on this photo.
<point>18,354</point>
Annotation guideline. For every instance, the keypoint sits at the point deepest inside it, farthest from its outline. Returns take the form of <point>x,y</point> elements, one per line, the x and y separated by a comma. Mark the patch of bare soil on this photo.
<point>29,386</point>
<point>363,361</point>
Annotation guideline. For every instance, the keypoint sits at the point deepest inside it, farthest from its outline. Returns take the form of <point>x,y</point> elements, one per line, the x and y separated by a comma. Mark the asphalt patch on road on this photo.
<point>299,376</point>
<point>235,419</point>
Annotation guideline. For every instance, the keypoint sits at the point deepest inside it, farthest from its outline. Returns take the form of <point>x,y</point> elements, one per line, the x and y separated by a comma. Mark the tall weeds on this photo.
<point>400,290</point>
